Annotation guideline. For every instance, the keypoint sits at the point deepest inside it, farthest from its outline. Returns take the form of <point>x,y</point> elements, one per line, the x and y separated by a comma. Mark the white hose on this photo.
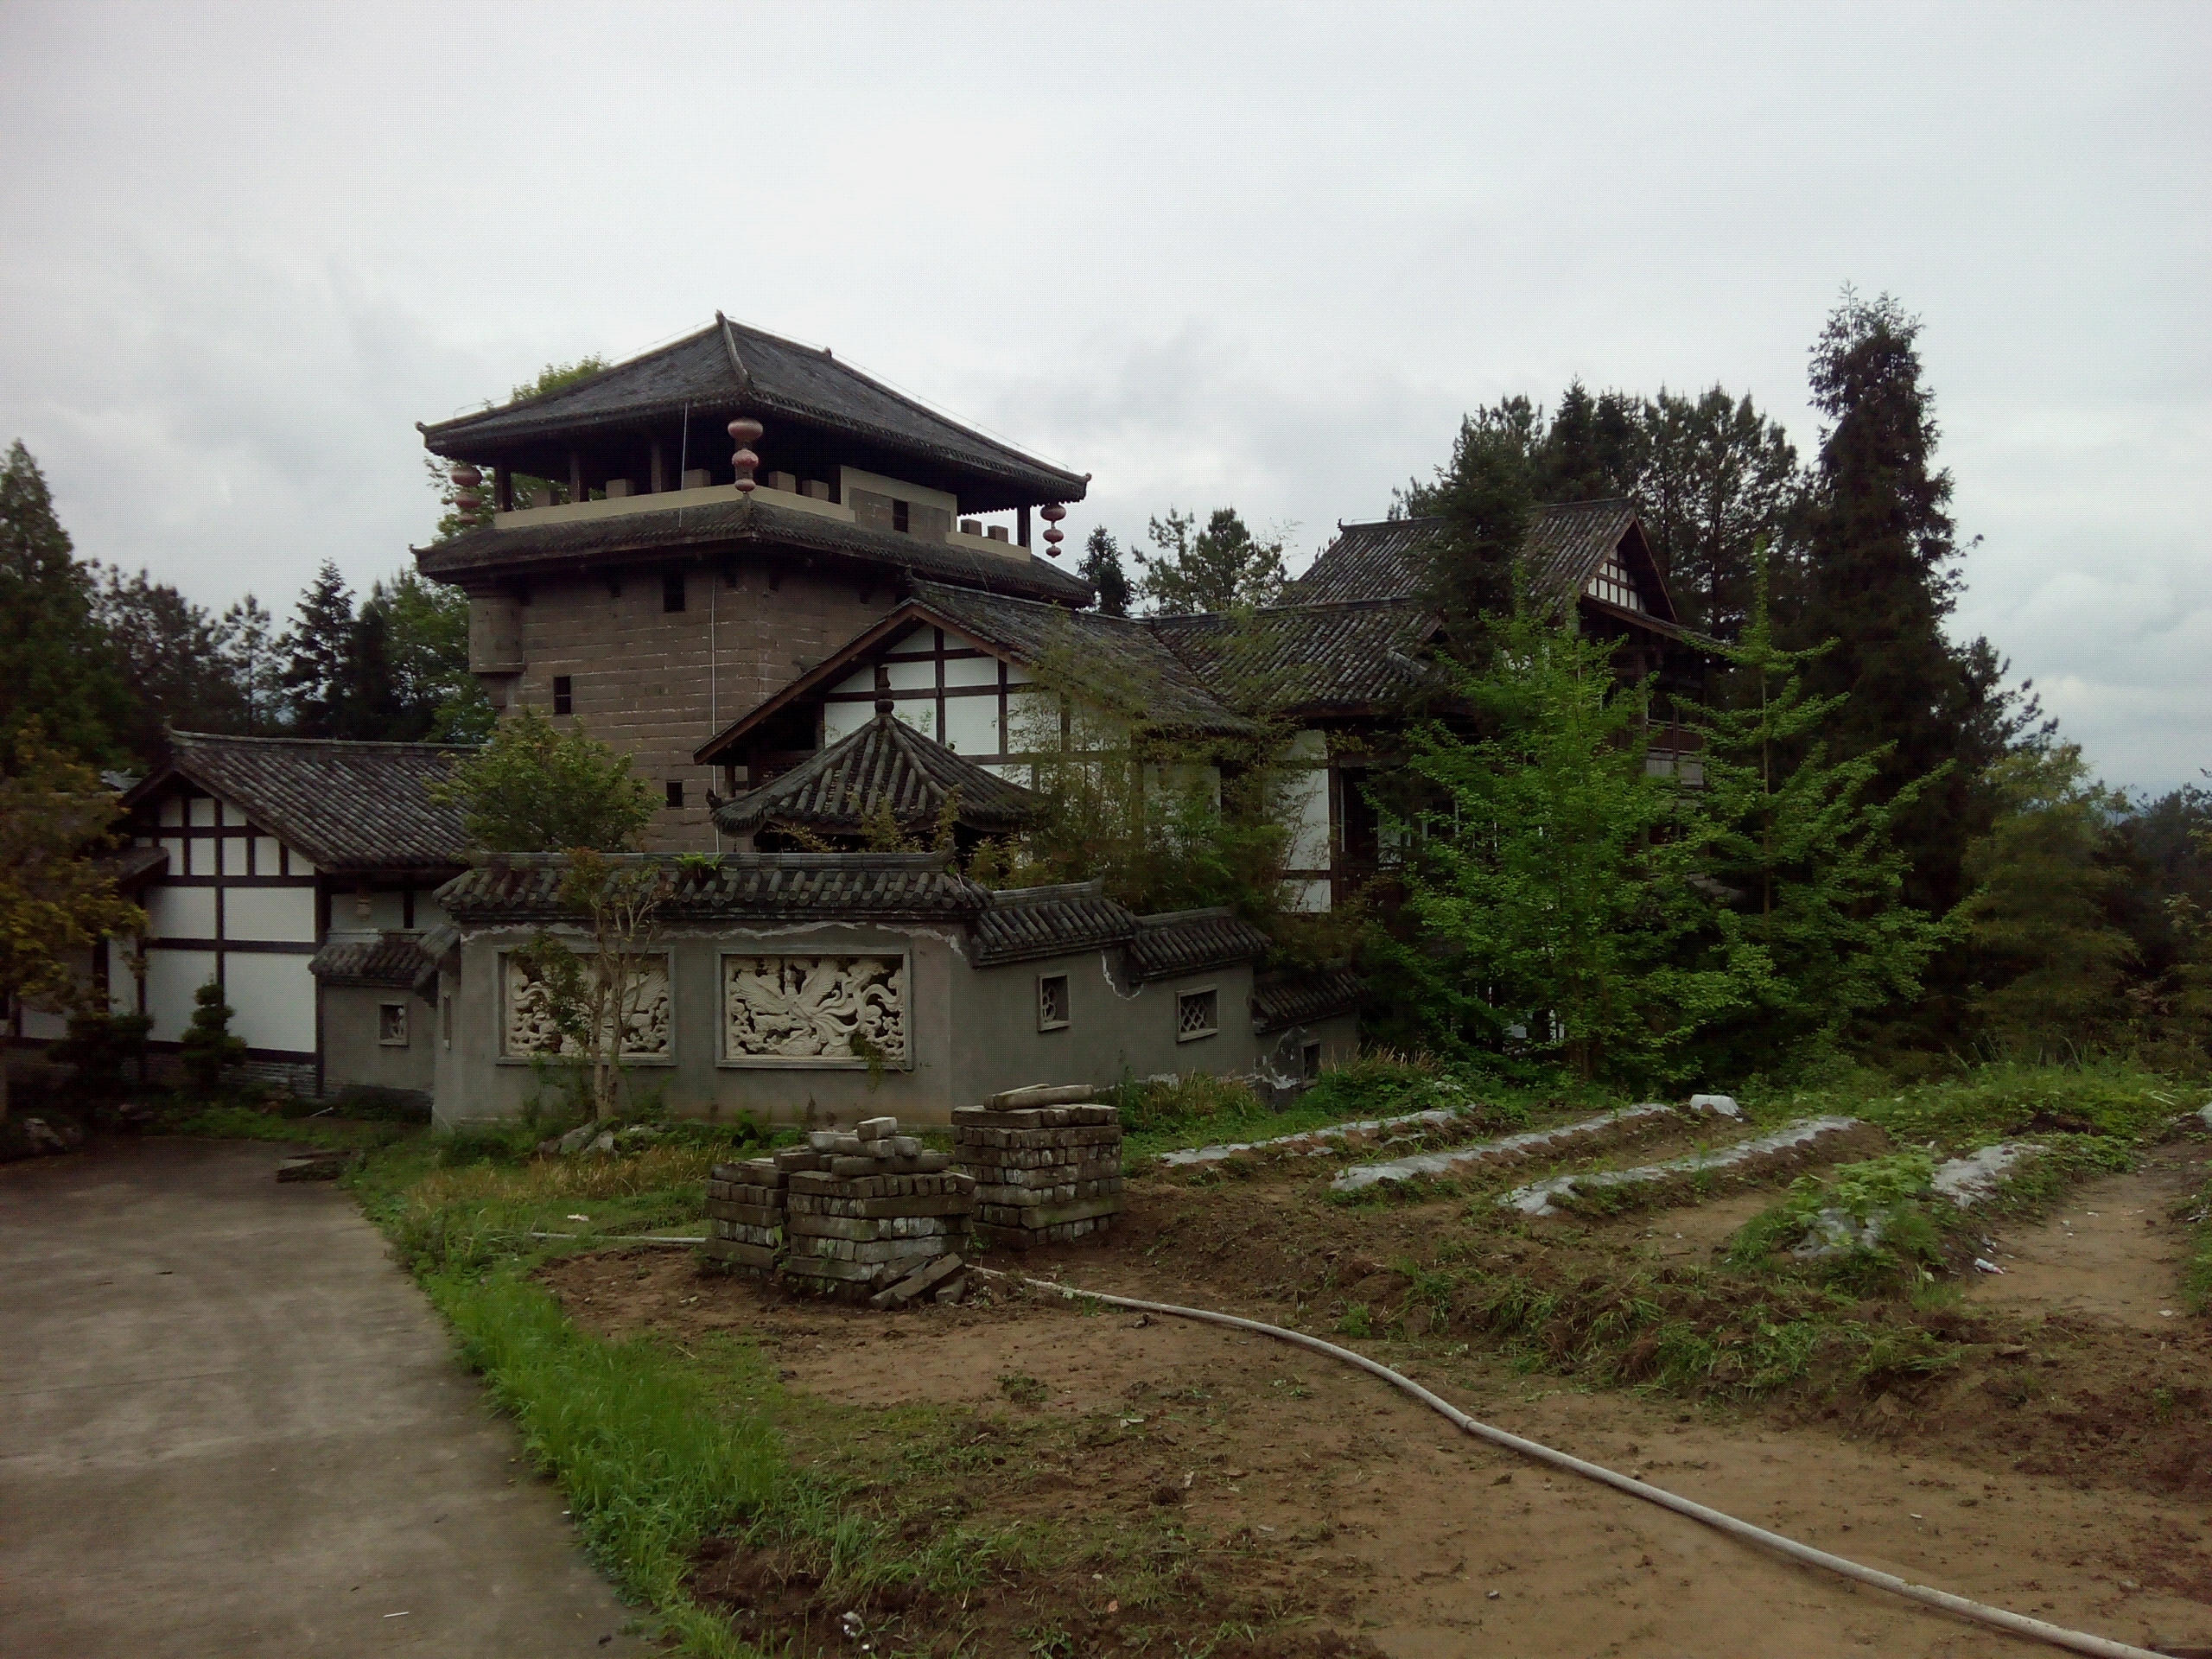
<point>2018,1624</point>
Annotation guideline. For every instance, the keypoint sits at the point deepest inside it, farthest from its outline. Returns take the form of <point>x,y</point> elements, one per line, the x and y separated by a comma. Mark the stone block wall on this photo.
<point>644,679</point>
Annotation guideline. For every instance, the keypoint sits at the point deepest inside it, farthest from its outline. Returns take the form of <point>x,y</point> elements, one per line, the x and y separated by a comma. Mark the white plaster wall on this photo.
<point>286,913</point>
<point>275,999</point>
<point>181,913</point>
<point>971,725</point>
<point>172,976</point>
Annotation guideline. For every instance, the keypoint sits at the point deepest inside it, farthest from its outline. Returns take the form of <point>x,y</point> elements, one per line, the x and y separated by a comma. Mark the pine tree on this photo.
<point>1817,878</point>
<point>316,648</point>
<point>1594,449</point>
<point>253,661</point>
<point>1717,478</point>
<point>174,653</point>
<point>1220,566</point>
<point>1486,498</point>
<point>1101,569</point>
<point>2051,965</point>
<point>1877,579</point>
<point>208,1047</point>
<point>56,667</point>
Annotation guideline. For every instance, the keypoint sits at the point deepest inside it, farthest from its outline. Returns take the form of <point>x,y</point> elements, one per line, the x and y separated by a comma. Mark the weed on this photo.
<point>1358,1321</point>
<point>1022,1388</point>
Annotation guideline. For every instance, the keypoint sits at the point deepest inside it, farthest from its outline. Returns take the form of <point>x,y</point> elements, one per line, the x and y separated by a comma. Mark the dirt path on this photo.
<point>2116,1252</point>
<point>1402,1531</point>
<point>229,1425</point>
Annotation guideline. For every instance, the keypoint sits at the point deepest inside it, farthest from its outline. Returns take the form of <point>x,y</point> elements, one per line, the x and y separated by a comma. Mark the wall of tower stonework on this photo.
<point>642,677</point>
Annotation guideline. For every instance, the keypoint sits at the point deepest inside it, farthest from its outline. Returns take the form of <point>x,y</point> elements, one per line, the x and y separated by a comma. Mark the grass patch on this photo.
<point>1992,1102</point>
<point>1200,1110</point>
<point>649,1466</point>
<point>236,1122</point>
<point>2197,1277</point>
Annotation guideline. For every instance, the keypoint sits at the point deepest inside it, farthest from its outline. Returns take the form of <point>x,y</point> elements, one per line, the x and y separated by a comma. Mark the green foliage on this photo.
<point>1102,568</point>
<point>208,1048</point>
<point>1552,873</point>
<point>1486,498</point>
<point>2049,964</point>
<point>1885,1188</point>
<point>1719,481</point>
<point>1816,876</point>
<point>320,674</point>
<point>61,675</point>
<point>56,897</point>
<point>1974,1108</point>
<point>102,1047</point>
<point>1221,566</point>
<point>1022,1388</point>
<point>534,788</point>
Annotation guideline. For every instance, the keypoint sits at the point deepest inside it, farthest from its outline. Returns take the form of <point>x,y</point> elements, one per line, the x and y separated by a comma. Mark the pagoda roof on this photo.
<point>728,369</point>
<point>886,766</point>
<point>738,523</point>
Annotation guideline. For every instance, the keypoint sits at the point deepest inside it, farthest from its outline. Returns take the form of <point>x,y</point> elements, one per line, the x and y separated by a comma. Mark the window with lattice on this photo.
<point>1614,585</point>
<point>1197,1014</point>
<point>1052,1001</point>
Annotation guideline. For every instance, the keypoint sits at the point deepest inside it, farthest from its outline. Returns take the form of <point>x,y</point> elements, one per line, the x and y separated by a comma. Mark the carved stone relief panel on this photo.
<point>814,1010</point>
<point>531,1027</point>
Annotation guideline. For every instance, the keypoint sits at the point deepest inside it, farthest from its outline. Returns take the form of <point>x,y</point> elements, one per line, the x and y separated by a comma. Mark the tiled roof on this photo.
<point>886,763</point>
<point>1121,661</point>
<point>781,887</point>
<point>738,524</point>
<point>727,369</point>
<point>395,962</point>
<point>1022,924</point>
<point>133,867</point>
<point>1303,999</point>
<point>1381,560</point>
<point>345,805</point>
<point>1566,543</point>
<point>1192,941</point>
<point>1306,659</point>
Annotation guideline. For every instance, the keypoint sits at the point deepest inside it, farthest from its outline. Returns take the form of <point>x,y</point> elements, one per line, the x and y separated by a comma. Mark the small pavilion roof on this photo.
<point>884,765</point>
<point>727,369</point>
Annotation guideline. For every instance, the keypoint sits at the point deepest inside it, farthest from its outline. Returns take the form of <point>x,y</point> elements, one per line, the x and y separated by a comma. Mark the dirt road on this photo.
<point>229,1425</point>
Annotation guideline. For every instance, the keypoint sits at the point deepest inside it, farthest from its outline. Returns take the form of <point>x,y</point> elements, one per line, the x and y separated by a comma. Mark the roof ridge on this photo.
<point>277,738</point>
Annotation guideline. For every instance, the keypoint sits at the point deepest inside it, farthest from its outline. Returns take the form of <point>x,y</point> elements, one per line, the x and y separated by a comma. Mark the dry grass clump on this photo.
<point>583,1177</point>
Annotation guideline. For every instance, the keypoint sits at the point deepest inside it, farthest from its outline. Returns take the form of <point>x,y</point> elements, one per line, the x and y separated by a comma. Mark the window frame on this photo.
<point>1044,1021</point>
<point>384,1038</point>
<point>1191,993</point>
<point>564,694</point>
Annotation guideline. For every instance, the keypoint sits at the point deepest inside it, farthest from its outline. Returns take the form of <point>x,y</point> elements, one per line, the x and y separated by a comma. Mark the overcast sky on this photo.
<point>1260,256</point>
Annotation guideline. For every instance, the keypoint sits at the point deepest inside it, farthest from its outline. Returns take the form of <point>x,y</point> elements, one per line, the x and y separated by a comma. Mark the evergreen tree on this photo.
<point>1101,569</point>
<point>369,703</point>
<point>1486,498</point>
<point>2050,966</point>
<point>1816,878</point>
<point>253,660</point>
<point>208,1047</point>
<point>427,646</point>
<point>1219,567</point>
<point>317,647</point>
<point>1877,579</point>
<point>1594,449</point>
<point>1551,875</point>
<point>1717,478</point>
<point>55,666</point>
<point>175,655</point>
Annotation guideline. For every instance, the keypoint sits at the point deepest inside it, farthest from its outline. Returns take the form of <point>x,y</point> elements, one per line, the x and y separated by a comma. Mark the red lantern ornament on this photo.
<point>745,432</point>
<point>466,500</point>
<point>1053,514</point>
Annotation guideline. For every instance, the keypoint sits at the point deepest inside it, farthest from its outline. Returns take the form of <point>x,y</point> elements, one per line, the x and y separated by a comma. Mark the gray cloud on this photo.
<point>1263,254</point>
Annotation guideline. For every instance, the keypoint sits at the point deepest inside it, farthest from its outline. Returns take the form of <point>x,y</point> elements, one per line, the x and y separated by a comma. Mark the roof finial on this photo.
<point>466,500</point>
<point>1053,514</point>
<point>745,432</point>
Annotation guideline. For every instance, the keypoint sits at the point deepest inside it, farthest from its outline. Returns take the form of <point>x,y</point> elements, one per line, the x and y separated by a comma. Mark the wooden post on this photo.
<point>1021,526</point>
<point>660,469</point>
<point>576,476</point>
<point>502,488</point>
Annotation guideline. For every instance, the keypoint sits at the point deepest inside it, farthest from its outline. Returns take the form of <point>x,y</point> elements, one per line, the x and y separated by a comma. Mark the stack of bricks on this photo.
<point>1046,1162</point>
<point>870,1210</point>
<point>745,1215</point>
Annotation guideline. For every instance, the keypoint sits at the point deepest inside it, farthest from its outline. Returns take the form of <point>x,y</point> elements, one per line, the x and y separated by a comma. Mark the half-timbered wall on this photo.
<point>948,687</point>
<point>235,905</point>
